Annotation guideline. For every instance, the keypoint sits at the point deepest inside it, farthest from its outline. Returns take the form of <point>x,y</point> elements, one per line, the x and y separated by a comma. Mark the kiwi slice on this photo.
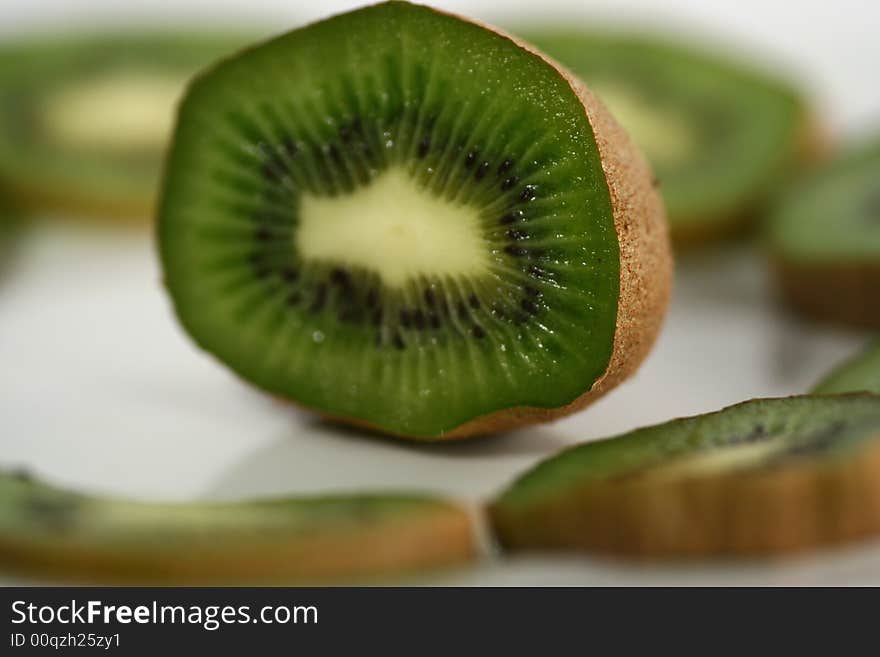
<point>860,373</point>
<point>57,532</point>
<point>717,133</point>
<point>763,476</point>
<point>824,240</point>
<point>85,119</point>
<point>409,221</point>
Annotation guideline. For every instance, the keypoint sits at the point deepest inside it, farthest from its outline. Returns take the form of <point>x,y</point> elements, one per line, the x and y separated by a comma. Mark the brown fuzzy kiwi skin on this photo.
<point>646,267</point>
<point>777,511</point>
<point>441,538</point>
<point>837,292</point>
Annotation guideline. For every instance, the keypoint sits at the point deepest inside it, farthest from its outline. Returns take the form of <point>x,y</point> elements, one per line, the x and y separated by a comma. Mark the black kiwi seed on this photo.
<point>509,183</point>
<point>263,234</point>
<point>434,320</point>
<point>418,319</point>
<point>498,311</point>
<point>424,147</point>
<point>372,297</point>
<point>515,251</point>
<point>294,298</point>
<point>340,277</point>
<point>529,306</point>
<point>510,217</point>
<point>532,291</point>
<point>470,158</point>
<point>505,166</point>
<point>462,311</point>
<point>397,341</point>
<point>289,274</point>
<point>405,318</point>
<point>528,193</point>
<point>430,297</point>
<point>289,146</point>
<point>320,298</point>
<point>478,332</point>
<point>517,234</point>
<point>480,173</point>
<point>474,301</point>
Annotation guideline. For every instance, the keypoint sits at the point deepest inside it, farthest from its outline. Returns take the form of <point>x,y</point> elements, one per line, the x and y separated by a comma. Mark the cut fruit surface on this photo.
<point>859,374</point>
<point>85,120</point>
<point>762,476</point>
<point>717,133</point>
<point>824,239</point>
<point>57,532</point>
<point>406,220</point>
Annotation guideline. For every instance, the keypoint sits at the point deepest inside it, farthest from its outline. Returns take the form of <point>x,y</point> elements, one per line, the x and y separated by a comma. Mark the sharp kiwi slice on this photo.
<point>717,133</point>
<point>409,221</point>
<point>762,476</point>
<point>58,532</point>
<point>824,240</point>
<point>85,119</point>
<point>859,374</point>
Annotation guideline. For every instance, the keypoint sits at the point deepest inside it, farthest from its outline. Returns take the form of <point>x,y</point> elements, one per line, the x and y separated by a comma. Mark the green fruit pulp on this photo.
<point>482,152</point>
<point>751,436</point>
<point>82,116</point>
<point>717,134</point>
<point>833,215</point>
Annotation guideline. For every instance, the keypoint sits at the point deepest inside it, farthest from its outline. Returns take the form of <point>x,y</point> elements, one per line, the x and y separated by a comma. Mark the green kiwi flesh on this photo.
<point>824,239</point>
<point>859,374</point>
<point>395,217</point>
<point>762,476</point>
<point>55,532</point>
<point>717,133</point>
<point>85,119</point>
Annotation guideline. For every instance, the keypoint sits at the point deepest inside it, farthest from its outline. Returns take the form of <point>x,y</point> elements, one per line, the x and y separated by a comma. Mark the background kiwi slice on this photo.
<point>58,532</point>
<point>860,373</point>
<point>824,239</point>
<point>717,133</point>
<point>409,221</point>
<point>762,476</point>
<point>85,119</point>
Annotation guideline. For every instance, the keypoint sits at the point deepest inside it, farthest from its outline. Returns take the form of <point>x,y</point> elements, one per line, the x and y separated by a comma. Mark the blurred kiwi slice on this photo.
<point>824,239</point>
<point>403,220</point>
<point>719,134</point>
<point>85,118</point>
<point>763,476</point>
<point>861,373</point>
<point>50,531</point>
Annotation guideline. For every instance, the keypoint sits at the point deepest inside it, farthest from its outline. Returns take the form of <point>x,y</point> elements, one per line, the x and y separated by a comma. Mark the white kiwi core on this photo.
<point>395,228</point>
<point>115,112</point>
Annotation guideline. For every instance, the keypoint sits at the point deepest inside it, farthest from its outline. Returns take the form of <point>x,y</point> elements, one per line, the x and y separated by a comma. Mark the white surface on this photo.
<point>99,388</point>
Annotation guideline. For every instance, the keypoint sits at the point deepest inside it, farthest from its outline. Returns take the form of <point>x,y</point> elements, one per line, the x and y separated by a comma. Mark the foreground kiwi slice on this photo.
<point>409,221</point>
<point>57,532</point>
<point>84,120</point>
<point>861,373</point>
<point>763,476</point>
<point>718,134</point>
<point>824,239</point>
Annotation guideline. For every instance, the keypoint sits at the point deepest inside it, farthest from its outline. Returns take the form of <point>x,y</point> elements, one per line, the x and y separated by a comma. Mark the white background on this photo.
<point>101,390</point>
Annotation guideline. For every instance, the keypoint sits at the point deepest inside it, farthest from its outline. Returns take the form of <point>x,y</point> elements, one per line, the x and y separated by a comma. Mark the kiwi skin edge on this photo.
<point>757,514</point>
<point>433,539</point>
<point>800,506</point>
<point>646,265</point>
